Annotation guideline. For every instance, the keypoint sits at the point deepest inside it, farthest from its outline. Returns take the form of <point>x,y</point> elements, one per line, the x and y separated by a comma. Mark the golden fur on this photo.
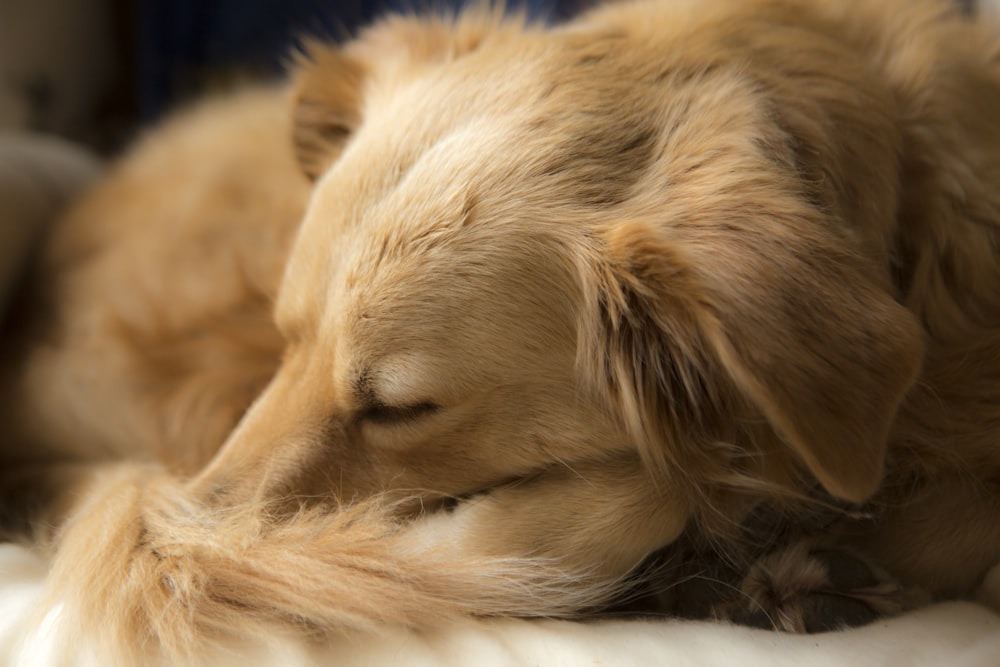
<point>577,292</point>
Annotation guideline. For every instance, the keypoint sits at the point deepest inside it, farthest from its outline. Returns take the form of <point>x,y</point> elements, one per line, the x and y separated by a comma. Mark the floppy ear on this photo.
<point>326,105</point>
<point>805,338</point>
<point>329,79</point>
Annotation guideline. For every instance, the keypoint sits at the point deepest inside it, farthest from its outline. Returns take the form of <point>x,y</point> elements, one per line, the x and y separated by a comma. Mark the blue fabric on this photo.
<point>179,40</point>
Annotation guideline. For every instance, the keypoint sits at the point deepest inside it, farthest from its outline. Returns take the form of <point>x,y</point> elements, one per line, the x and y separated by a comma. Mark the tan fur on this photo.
<point>157,287</point>
<point>578,292</point>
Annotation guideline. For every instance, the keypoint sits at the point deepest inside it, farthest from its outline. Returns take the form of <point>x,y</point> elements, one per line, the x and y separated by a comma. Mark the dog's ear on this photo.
<point>326,105</point>
<point>692,330</point>
<point>330,79</point>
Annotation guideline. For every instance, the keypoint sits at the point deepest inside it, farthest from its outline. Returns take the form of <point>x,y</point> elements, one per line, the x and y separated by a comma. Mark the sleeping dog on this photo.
<point>717,280</point>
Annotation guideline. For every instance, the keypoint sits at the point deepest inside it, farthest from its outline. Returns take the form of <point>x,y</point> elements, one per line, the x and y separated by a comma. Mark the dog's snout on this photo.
<point>271,459</point>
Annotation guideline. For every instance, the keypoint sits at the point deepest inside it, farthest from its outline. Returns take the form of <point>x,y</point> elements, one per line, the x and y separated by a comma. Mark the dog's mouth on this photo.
<point>448,503</point>
<point>423,505</point>
<point>291,497</point>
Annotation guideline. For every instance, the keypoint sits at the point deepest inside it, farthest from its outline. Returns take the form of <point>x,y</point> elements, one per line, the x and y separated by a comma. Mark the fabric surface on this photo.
<point>957,634</point>
<point>38,175</point>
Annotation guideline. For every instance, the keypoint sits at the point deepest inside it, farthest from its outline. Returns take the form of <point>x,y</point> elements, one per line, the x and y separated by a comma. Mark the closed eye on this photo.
<point>396,414</point>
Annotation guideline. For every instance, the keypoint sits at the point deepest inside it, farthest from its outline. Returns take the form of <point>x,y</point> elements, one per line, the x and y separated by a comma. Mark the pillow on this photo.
<point>38,176</point>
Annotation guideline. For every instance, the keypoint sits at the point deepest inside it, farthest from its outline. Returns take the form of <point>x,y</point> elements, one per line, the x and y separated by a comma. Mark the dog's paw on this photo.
<point>808,589</point>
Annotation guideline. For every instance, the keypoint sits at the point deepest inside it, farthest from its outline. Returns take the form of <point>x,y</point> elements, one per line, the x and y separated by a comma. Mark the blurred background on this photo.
<point>96,70</point>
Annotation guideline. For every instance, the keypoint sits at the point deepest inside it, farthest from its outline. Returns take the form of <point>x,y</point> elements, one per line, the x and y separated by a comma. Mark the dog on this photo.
<point>716,281</point>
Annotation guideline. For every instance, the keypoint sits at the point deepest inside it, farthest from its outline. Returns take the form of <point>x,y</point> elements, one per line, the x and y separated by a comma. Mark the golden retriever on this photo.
<point>715,278</point>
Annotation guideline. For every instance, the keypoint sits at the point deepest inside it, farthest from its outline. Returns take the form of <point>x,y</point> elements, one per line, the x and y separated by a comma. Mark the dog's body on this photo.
<point>632,282</point>
<point>160,282</point>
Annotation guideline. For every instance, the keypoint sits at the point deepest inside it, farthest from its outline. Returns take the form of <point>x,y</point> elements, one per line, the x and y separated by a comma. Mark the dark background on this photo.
<point>166,52</point>
<point>97,71</point>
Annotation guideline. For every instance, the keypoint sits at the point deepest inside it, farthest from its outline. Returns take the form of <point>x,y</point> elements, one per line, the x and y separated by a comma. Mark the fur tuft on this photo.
<point>141,571</point>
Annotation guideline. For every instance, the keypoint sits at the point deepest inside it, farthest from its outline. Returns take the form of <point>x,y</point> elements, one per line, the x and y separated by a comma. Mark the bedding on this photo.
<point>958,634</point>
<point>37,175</point>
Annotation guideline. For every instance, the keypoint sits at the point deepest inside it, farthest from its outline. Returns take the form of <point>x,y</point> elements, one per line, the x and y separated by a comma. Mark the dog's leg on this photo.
<point>141,566</point>
<point>594,521</point>
<point>809,587</point>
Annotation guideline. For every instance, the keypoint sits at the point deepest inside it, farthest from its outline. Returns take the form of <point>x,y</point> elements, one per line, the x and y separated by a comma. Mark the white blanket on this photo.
<point>956,634</point>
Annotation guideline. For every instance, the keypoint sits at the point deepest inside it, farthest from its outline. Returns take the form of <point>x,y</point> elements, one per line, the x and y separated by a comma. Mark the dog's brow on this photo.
<point>364,391</point>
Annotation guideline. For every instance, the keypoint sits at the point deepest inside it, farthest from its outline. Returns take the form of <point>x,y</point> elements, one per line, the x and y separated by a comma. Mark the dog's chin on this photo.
<point>429,503</point>
<point>404,505</point>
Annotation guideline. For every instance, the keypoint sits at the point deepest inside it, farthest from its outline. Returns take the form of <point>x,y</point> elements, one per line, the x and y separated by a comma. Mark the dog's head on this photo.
<point>580,254</point>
